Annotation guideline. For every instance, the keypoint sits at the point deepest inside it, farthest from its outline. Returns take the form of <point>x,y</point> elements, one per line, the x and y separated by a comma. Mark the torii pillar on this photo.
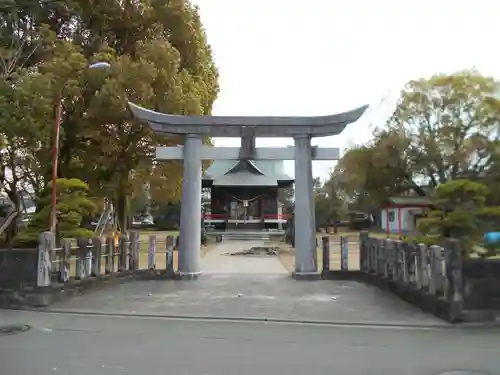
<point>304,210</point>
<point>190,239</point>
<point>194,128</point>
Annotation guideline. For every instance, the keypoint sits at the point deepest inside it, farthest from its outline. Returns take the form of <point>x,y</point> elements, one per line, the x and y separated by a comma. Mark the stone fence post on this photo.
<point>44,265</point>
<point>152,252</point>
<point>379,257</point>
<point>436,271</point>
<point>422,262</point>
<point>397,261</point>
<point>169,243</point>
<point>110,255</point>
<point>387,257</point>
<point>122,253</point>
<point>134,251</point>
<point>363,253</point>
<point>325,240</point>
<point>81,254</point>
<point>454,290</point>
<point>96,256</point>
<point>65,259</point>
<point>344,253</point>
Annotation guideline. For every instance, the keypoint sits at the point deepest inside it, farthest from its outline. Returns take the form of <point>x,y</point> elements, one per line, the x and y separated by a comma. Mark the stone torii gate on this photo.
<point>194,128</point>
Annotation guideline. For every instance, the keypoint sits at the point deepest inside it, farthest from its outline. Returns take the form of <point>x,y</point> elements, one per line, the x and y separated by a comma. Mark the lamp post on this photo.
<point>55,149</point>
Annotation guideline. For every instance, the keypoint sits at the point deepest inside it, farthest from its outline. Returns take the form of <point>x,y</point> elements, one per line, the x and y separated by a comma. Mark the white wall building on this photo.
<point>401,213</point>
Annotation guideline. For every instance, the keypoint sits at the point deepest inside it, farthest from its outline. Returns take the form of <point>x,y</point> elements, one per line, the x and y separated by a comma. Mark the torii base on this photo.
<point>188,275</point>
<point>306,276</point>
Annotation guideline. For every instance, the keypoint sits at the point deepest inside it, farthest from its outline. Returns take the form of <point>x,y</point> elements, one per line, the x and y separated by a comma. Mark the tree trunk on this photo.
<point>11,231</point>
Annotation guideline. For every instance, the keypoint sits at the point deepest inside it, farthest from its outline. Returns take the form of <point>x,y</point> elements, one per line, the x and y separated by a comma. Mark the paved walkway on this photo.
<point>247,287</point>
<point>218,262</point>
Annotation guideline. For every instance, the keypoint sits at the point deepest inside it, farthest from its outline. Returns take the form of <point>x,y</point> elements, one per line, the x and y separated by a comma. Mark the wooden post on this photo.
<point>326,253</point>
<point>169,243</point>
<point>344,253</point>
<point>110,255</point>
<point>65,260</point>
<point>152,252</point>
<point>96,258</point>
<point>454,291</point>
<point>44,266</point>
<point>122,253</point>
<point>134,251</point>
<point>80,258</point>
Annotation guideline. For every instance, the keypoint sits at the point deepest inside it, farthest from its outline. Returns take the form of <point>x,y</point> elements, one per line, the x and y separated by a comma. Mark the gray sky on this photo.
<point>319,57</point>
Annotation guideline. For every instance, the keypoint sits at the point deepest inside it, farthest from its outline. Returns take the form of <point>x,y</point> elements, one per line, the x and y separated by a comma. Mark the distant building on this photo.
<point>28,206</point>
<point>400,214</point>
<point>244,194</point>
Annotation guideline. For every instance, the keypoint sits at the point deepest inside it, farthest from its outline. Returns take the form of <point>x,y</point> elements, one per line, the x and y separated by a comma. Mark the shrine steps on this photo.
<point>241,235</point>
<point>246,235</point>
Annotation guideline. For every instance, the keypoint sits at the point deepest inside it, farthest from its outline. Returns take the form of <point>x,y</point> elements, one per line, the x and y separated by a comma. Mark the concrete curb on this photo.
<point>367,324</point>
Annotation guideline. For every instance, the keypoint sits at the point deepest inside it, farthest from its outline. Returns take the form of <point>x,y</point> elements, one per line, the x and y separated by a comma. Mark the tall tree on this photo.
<point>452,124</point>
<point>25,108</point>
<point>328,205</point>
<point>443,128</point>
<point>160,59</point>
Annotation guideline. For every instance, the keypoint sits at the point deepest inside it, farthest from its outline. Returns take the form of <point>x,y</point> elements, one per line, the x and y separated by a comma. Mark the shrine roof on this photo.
<point>255,173</point>
<point>244,179</point>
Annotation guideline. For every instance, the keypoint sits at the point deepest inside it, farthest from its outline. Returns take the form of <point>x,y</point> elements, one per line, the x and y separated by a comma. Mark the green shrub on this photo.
<point>73,204</point>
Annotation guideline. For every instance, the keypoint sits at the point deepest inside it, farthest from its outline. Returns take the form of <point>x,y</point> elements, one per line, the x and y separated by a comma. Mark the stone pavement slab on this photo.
<point>252,287</point>
<point>254,296</point>
<point>218,262</point>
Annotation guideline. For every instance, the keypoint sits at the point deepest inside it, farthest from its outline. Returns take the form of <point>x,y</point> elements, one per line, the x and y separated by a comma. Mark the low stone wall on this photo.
<point>17,268</point>
<point>36,297</point>
<point>42,276</point>
<point>481,284</point>
<point>436,279</point>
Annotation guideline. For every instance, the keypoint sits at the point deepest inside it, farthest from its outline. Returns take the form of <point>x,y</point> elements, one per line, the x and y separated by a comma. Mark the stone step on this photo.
<point>240,235</point>
<point>244,235</point>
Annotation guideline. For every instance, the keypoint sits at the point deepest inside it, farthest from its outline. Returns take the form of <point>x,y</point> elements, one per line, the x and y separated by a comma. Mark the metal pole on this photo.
<point>55,149</point>
<point>55,159</point>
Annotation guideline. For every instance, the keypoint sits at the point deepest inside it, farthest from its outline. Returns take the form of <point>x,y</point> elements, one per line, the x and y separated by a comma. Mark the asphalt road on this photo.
<point>75,344</point>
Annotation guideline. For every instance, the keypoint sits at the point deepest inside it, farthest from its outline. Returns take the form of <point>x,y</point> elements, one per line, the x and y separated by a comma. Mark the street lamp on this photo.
<point>55,149</point>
